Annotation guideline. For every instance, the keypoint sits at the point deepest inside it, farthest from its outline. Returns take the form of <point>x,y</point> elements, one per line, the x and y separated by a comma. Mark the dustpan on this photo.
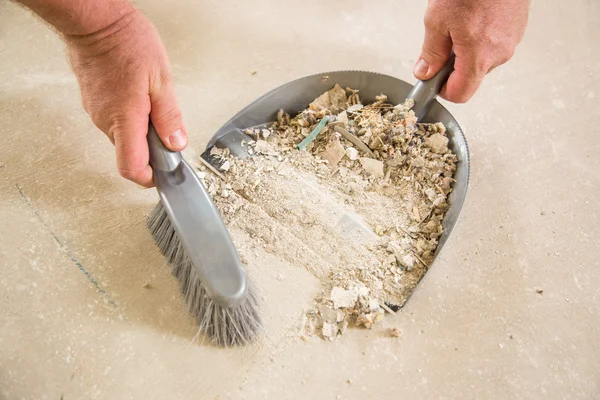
<point>295,96</point>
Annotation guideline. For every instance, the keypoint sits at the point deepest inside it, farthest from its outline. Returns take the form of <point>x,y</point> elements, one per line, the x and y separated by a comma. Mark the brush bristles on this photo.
<point>224,326</point>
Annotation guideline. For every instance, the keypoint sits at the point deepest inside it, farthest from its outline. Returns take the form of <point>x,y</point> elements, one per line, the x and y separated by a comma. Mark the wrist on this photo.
<point>101,19</point>
<point>80,17</point>
<point>119,32</point>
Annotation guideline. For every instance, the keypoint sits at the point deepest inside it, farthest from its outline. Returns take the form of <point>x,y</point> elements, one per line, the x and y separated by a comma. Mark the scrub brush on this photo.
<point>189,231</point>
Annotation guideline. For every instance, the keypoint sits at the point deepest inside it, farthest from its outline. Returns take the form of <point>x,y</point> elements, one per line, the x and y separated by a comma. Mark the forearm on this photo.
<point>80,17</point>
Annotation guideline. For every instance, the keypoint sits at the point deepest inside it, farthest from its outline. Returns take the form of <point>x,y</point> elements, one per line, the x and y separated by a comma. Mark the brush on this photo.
<point>189,231</point>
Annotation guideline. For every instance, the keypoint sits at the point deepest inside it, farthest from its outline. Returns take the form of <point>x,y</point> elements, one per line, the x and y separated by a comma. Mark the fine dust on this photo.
<point>360,207</point>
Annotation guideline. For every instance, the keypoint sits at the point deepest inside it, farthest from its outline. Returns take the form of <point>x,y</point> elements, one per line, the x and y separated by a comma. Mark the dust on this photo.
<point>360,207</point>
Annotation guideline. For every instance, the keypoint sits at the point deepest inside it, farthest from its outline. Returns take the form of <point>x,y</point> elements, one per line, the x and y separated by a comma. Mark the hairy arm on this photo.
<point>124,76</point>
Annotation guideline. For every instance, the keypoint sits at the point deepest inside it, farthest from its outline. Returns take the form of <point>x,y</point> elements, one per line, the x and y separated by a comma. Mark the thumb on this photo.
<point>167,119</point>
<point>435,53</point>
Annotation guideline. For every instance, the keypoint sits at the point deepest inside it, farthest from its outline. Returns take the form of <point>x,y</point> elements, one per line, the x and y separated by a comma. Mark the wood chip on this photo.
<point>354,140</point>
<point>333,153</point>
<point>386,308</point>
<point>416,213</point>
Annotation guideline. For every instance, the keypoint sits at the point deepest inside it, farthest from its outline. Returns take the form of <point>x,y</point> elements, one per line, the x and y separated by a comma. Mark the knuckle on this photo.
<point>130,174</point>
<point>482,66</point>
<point>471,33</point>
<point>507,53</point>
<point>500,47</point>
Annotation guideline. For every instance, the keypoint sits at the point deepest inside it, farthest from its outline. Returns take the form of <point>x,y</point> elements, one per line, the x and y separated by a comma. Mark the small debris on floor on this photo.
<point>353,193</point>
<point>395,332</point>
<point>539,291</point>
<point>146,285</point>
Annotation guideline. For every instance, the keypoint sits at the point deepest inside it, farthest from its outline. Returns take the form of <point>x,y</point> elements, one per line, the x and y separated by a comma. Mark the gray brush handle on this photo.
<point>198,224</point>
<point>425,92</point>
<point>161,158</point>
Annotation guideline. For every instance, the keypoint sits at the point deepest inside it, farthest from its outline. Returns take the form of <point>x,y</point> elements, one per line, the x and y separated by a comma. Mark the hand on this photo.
<point>125,79</point>
<point>483,34</point>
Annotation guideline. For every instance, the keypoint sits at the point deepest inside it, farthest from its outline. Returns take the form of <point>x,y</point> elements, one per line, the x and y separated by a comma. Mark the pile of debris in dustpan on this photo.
<point>353,193</point>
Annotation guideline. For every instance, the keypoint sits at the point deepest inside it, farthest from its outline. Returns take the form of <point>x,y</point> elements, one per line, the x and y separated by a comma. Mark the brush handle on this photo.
<point>161,158</point>
<point>198,224</point>
<point>425,92</point>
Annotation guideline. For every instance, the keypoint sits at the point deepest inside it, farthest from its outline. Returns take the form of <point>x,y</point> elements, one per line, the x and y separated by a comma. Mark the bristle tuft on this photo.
<point>224,326</point>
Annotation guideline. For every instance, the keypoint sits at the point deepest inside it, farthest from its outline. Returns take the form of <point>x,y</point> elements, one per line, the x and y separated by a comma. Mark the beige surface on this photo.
<point>475,328</point>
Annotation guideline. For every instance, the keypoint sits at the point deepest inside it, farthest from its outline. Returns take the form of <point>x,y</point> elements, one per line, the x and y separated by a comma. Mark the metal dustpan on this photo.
<point>295,96</point>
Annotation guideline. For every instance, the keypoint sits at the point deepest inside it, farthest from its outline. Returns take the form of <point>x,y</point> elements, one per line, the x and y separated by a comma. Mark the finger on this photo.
<point>131,146</point>
<point>434,54</point>
<point>167,119</point>
<point>470,68</point>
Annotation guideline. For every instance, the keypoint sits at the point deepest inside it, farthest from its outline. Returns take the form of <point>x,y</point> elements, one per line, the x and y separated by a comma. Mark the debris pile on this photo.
<point>353,193</point>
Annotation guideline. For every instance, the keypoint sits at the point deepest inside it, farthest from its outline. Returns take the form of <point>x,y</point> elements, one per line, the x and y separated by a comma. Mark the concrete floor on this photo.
<point>75,322</point>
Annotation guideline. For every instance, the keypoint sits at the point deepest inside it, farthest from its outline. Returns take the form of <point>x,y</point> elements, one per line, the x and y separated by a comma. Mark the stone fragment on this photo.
<point>263,147</point>
<point>226,166</point>
<point>329,331</point>
<point>372,166</point>
<point>352,153</point>
<point>343,298</point>
<point>438,143</point>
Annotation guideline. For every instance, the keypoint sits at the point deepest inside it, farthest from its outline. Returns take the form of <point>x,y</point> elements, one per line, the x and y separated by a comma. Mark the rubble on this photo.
<point>352,153</point>
<point>438,143</point>
<point>334,153</point>
<point>353,193</point>
<point>372,166</point>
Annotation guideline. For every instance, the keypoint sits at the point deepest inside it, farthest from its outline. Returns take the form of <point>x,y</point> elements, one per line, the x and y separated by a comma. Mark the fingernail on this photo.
<point>421,69</point>
<point>178,139</point>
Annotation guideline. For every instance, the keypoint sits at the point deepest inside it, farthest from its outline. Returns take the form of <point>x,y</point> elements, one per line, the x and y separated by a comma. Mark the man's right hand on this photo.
<point>483,34</point>
<point>125,79</point>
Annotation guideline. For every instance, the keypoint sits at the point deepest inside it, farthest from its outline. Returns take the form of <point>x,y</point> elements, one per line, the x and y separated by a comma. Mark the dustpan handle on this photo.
<point>425,92</point>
